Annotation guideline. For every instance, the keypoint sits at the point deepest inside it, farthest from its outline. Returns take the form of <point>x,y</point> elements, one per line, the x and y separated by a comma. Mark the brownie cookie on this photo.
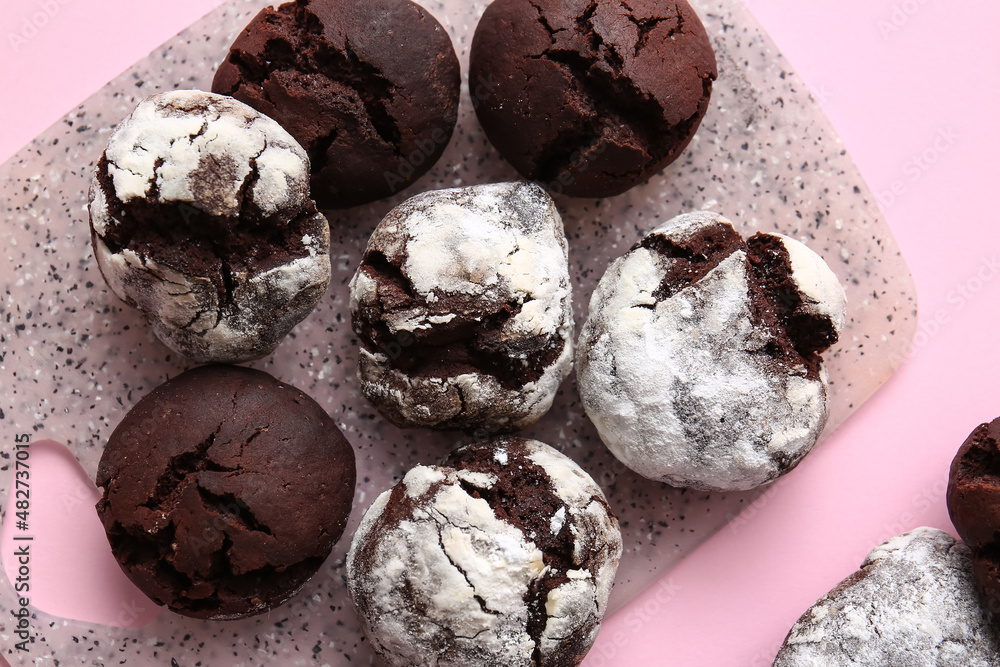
<point>200,217</point>
<point>913,603</point>
<point>369,87</point>
<point>224,492</point>
<point>700,361</point>
<point>463,306</point>
<point>974,505</point>
<point>591,97</point>
<point>504,556</point>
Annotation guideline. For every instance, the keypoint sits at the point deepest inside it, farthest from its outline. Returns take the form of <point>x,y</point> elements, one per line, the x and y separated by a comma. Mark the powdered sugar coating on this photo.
<point>442,577</point>
<point>821,291</point>
<point>682,388</point>
<point>482,257</point>
<point>195,154</point>
<point>913,603</point>
<point>177,129</point>
<point>189,316</point>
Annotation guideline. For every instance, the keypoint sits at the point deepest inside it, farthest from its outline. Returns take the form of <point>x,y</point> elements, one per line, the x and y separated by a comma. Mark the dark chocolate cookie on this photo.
<point>369,87</point>
<point>591,97</point>
<point>200,217</point>
<point>700,363</point>
<point>974,505</point>
<point>504,556</point>
<point>224,492</point>
<point>463,307</point>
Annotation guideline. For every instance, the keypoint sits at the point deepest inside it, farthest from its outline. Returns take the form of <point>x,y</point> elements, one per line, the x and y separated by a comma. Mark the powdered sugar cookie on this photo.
<point>700,360</point>
<point>913,602</point>
<point>504,556</point>
<point>201,218</point>
<point>463,306</point>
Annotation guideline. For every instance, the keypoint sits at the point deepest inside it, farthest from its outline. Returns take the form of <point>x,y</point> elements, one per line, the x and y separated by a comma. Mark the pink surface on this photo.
<point>912,86</point>
<point>72,572</point>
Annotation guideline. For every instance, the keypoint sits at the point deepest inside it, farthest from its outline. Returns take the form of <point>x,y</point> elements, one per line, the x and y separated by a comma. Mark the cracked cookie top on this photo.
<point>463,307</point>
<point>913,602</point>
<point>201,218</point>
<point>502,556</point>
<point>369,87</point>
<point>700,363</point>
<point>591,97</point>
<point>224,492</point>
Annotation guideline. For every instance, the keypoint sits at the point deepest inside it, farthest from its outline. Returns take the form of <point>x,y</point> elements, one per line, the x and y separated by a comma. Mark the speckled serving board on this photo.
<point>77,358</point>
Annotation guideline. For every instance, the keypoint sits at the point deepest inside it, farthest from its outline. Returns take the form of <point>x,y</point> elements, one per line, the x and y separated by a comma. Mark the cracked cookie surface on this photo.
<point>463,307</point>
<point>201,218</point>
<point>913,602</point>
<point>369,87</point>
<point>974,506</point>
<point>700,364</point>
<point>591,97</point>
<point>224,492</point>
<point>504,555</point>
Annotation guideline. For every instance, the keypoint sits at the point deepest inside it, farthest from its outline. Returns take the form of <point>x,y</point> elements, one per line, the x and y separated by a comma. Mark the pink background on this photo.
<point>89,585</point>
<point>913,87</point>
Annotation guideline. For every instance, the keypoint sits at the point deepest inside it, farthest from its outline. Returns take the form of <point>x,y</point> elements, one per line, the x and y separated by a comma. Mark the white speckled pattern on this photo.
<point>77,359</point>
<point>913,603</point>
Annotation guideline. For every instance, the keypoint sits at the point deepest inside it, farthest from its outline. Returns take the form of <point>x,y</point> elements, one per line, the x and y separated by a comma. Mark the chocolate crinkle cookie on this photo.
<point>912,603</point>
<point>463,307</point>
<point>224,492</point>
<point>974,505</point>
<point>201,218</point>
<point>591,97</point>
<point>369,87</point>
<point>700,363</point>
<point>503,556</point>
